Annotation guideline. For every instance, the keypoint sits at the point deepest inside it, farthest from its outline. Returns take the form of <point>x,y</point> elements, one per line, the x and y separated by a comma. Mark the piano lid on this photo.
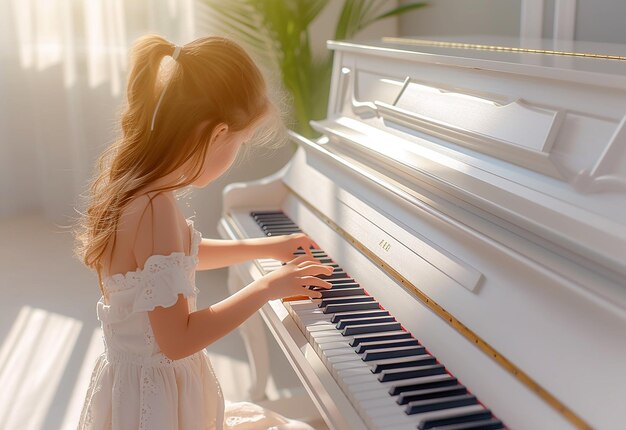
<point>531,56</point>
<point>530,136</point>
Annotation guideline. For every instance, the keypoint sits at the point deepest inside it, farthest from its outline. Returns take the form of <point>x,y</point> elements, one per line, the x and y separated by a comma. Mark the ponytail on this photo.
<point>212,81</point>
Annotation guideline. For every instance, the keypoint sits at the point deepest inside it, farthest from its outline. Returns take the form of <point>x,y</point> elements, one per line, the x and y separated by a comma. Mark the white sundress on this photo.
<point>135,386</point>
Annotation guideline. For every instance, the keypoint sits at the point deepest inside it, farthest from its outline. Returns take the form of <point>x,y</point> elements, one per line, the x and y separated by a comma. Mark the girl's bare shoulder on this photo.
<point>157,222</point>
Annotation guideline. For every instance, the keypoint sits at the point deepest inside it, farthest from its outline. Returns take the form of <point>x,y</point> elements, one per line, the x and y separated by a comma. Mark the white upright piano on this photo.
<point>472,197</point>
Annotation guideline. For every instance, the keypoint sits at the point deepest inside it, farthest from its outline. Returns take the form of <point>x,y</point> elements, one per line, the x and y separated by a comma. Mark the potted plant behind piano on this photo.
<point>277,32</point>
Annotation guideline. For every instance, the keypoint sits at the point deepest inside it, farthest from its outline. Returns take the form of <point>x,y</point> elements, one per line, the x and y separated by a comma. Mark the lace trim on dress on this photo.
<point>157,284</point>
<point>164,278</point>
<point>123,281</point>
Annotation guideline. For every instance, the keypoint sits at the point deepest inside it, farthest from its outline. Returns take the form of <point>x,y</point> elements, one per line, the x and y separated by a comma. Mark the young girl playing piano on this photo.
<point>155,373</point>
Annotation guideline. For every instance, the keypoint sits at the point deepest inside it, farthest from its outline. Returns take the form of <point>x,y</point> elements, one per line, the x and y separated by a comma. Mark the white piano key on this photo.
<point>380,420</point>
<point>386,408</point>
<point>269,265</point>
<point>370,394</point>
<point>301,305</point>
<point>308,313</point>
<point>357,379</point>
<point>317,327</point>
<point>319,323</point>
<point>332,352</point>
<point>334,344</point>
<point>341,358</point>
<point>322,338</point>
<point>388,384</point>
<point>337,367</point>
<point>318,342</point>
<point>311,319</point>
<point>320,348</point>
<point>329,333</point>
<point>354,371</point>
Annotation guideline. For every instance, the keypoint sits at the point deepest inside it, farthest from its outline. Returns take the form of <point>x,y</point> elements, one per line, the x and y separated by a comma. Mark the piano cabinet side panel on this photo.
<point>264,193</point>
<point>543,323</point>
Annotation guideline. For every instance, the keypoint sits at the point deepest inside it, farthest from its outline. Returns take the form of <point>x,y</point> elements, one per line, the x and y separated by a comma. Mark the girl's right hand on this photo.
<point>293,278</point>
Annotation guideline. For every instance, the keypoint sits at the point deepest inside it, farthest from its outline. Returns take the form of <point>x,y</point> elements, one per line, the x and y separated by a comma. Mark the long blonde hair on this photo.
<point>213,79</point>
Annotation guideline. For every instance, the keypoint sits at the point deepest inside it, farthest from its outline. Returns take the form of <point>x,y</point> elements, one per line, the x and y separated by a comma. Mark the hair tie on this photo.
<point>156,109</point>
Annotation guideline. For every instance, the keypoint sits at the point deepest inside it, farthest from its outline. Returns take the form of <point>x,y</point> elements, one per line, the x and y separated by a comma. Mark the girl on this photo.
<point>154,373</point>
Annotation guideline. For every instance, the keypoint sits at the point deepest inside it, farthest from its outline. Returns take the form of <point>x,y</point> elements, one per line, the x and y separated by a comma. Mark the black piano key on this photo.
<point>334,275</point>
<point>273,228</point>
<point>370,337</point>
<point>444,381</point>
<point>270,218</point>
<point>454,418</point>
<point>343,283</point>
<point>343,307</point>
<point>370,328</point>
<point>395,352</point>
<point>317,253</point>
<point>365,346</point>
<point>275,231</point>
<point>356,314</point>
<point>273,222</point>
<point>338,300</point>
<point>342,292</point>
<point>432,393</point>
<point>422,406</point>
<point>422,359</point>
<point>411,372</point>
<point>325,260</point>
<point>283,233</point>
<point>358,321</point>
<point>268,213</point>
<point>492,424</point>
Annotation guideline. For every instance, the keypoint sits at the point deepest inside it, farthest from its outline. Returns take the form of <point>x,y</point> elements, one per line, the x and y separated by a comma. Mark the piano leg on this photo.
<point>253,334</point>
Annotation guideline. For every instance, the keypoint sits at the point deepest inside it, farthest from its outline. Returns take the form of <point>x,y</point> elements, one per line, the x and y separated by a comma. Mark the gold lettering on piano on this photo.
<point>384,245</point>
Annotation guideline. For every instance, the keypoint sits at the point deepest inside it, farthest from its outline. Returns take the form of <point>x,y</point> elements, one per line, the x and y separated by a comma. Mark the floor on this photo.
<point>50,336</point>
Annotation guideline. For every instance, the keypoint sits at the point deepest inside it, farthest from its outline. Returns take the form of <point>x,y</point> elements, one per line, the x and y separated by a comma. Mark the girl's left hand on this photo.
<point>284,246</point>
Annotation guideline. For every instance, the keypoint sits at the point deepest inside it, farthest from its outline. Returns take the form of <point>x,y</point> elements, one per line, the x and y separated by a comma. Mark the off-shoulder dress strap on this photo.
<point>151,215</point>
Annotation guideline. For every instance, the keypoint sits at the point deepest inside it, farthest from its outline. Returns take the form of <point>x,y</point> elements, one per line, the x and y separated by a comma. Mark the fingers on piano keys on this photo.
<point>392,380</point>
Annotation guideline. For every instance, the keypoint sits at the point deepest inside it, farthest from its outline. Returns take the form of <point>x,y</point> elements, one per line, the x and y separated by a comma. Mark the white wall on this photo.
<point>601,21</point>
<point>59,111</point>
<point>596,20</point>
<point>62,75</point>
<point>459,17</point>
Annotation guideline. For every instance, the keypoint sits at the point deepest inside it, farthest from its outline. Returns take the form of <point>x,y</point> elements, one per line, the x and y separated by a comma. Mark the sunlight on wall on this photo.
<point>32,361</point>
<point>105,36</point>
<point>49,34</point>
<point>74,407</point>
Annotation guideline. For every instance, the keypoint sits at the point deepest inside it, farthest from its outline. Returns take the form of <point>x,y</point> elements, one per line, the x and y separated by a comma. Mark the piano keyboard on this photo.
<point>389,377</point>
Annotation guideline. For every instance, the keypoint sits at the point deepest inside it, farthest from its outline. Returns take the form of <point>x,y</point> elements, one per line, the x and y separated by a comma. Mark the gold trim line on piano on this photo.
<point>472,337</point>
<point>460,45</point>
